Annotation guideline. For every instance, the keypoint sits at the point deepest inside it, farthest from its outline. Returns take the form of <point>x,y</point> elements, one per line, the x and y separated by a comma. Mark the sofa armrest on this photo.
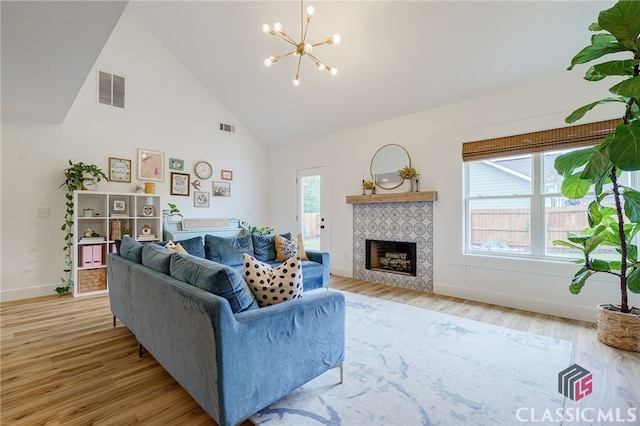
<point>271,351</point>
<point>323,258</point>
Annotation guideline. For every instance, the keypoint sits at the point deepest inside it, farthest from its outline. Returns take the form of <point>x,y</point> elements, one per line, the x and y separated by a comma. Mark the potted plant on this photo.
<point>172,214</point>
<point>411,174</point>
<point>75,177</point>
<point>614,214</point>
<point>258,230</point>
<point>367,186</point>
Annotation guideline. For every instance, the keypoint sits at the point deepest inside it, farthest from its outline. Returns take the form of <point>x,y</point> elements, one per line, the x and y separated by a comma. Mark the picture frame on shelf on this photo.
<point>221,189</point>
<point>150,165</point>
<point>176,164</point>
<point>119,205</point>
<point>180,183</point>
<point>201,199</point>
<point>226,174</point>
<point>119,170</point>
<point>147,210</point>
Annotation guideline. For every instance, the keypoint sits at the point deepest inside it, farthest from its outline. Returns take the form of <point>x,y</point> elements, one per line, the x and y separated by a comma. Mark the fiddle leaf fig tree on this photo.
<point>73,177</point>
<point>614,223</point>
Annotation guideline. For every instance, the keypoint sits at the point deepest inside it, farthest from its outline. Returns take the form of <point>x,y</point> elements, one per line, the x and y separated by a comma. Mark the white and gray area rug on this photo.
<point>410,366</point>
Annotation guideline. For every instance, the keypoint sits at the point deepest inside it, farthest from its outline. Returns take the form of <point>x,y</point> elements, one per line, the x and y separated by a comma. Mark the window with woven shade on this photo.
<point>513,202</point>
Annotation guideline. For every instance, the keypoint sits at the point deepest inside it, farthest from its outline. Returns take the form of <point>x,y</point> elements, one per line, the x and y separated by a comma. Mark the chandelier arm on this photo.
<point>284,36</point>
<point>321,43</point>
<point>306,27</point>
<point>298,69</point>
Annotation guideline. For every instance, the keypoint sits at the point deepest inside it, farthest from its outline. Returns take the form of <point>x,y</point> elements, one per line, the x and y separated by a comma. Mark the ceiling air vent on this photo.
<point>227,128</point>
<point>110,89</point>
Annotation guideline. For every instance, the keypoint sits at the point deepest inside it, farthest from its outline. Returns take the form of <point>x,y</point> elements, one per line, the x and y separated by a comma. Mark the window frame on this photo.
<point>537,202</point>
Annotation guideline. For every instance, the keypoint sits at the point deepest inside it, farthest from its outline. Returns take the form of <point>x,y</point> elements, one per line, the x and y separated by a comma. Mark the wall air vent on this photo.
<point>110,89</point>
<point>227,128</point>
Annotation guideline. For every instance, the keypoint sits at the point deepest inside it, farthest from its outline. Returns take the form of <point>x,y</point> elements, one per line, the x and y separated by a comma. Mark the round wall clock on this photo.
<point>203,170</point>
<point>89,184</point>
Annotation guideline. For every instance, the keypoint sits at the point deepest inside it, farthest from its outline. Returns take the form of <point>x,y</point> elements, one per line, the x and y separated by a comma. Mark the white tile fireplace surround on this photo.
<point>410,221</point>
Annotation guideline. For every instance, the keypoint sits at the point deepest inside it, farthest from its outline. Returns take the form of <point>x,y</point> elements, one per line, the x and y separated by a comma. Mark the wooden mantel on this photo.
<point>396,197</point>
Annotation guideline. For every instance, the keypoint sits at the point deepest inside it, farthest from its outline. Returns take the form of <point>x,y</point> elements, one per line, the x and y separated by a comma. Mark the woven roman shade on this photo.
<point>547,140</point>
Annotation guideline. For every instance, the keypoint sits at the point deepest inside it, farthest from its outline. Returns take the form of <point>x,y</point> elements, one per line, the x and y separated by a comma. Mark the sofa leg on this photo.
<point>140,350</point>
<point>114,321</point>
<point>341,367</point>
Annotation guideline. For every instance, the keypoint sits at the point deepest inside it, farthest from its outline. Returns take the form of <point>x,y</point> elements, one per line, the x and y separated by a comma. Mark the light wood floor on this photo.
<point>62,362</point>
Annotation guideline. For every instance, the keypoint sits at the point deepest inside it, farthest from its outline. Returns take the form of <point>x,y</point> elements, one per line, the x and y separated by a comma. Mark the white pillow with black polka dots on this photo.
<point>272,285</point>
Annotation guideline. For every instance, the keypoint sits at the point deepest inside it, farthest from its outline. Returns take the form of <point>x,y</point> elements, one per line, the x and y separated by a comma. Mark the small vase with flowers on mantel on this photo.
<point>410,174</point>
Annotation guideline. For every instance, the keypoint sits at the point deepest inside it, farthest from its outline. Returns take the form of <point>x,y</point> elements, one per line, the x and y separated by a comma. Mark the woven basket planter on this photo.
<point>617,329</point>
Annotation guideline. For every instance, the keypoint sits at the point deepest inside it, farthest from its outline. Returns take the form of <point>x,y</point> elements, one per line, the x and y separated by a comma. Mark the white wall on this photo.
<point>434,140</point>
<point>166,110</point>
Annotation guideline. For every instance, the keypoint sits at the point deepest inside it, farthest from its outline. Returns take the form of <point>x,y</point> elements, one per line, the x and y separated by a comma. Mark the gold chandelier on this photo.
<point>303,48</point>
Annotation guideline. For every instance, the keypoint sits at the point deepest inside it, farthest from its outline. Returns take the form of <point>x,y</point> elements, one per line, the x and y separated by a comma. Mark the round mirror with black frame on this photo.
<point>386,163</point>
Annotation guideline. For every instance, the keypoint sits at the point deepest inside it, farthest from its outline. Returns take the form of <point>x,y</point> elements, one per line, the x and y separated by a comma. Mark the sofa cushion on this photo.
<point>156,257</point>
<point>285,247</point>
<point>270,285</point>
<point>264,246</point>
<point>131,249</point>
<point>215,278</point>
<point>227,250</point>
<point>193,246</point>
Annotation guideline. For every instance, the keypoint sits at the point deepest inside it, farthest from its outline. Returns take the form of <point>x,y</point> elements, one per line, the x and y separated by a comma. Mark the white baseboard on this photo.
<point>512,300</point>
<point>342,272</point>
<point>27,293</point>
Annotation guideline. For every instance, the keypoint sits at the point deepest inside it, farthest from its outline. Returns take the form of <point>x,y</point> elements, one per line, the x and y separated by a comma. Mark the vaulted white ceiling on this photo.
<point>395,57</point>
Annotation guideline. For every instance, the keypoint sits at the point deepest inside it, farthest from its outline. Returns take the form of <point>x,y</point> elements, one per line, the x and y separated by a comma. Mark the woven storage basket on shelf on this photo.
<point>92,280</point>
<point>619,330</point>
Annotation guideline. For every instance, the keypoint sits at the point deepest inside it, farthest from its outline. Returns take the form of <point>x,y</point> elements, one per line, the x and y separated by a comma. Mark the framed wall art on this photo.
<point>176,164</point>
<point>221,189</point>
<point>119,170</point>
<point>201,199</point>
<point>226,174</point>
<point>119,205</point>
<point>180,183</point>
<point>150,165</point>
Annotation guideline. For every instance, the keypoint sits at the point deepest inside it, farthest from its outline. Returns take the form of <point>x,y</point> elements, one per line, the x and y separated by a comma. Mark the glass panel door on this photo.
<point>312,218</point>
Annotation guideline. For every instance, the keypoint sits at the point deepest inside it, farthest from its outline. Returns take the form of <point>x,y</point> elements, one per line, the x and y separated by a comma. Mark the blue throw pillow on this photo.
<point>193,246</point>
<point>156,257</point>
<point>131,249</point>
<point>227,250</point>
<point>264,246</point>
<point>215,278</point>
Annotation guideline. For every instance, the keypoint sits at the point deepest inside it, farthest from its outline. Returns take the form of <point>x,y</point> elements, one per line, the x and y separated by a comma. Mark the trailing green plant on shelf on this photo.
<point>614,214</point>
<point>368,184</point>
<point>74,176</point>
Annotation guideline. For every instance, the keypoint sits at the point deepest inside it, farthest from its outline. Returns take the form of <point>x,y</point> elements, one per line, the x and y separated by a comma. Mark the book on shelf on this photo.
<point>146,237</point>
<point>119,215</point>
<point>92,240</point>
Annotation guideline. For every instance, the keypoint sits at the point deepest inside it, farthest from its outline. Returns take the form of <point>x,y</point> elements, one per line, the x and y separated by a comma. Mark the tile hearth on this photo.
<point>406,221</point>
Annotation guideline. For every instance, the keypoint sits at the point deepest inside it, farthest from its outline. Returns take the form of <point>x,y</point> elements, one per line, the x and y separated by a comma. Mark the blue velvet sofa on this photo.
<point>200,321</point>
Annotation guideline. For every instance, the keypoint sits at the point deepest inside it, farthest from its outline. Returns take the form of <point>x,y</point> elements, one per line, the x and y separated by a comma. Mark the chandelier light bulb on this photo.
<point>336,39</point>
<point>310,10</point>
<point>320,66</point>
<point>296,81</point>
<point>334,71</point>
<point>268,62</point>
<point>266,28</point>
<point>308,48</point>
<point>277,27</point>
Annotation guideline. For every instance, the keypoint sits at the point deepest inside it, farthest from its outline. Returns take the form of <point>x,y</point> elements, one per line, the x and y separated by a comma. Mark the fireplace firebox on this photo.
<point>398,257</point>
